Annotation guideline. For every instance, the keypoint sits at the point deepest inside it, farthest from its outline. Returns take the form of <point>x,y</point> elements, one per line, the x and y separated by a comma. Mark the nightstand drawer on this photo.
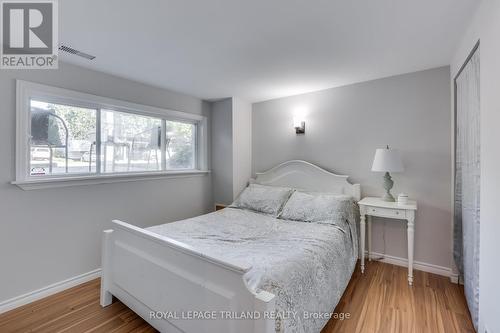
<point>386,212</point>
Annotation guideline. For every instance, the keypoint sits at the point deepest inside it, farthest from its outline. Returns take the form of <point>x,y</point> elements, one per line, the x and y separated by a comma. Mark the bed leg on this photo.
<point>106,296</point>
<point>265,304</point>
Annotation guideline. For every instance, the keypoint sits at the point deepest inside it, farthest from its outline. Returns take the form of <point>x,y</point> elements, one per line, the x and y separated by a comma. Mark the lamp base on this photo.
<point>388,183</point>
<point>388,198</point>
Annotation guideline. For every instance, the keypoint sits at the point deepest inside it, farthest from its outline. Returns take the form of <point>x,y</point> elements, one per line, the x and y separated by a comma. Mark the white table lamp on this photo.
<point>387,160</point>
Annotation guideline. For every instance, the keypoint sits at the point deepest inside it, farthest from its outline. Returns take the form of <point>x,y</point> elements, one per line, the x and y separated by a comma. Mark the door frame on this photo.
<point>455,277</point>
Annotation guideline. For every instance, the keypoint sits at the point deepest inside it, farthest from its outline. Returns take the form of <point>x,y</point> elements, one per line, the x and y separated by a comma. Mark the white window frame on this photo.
<point>25,91</point>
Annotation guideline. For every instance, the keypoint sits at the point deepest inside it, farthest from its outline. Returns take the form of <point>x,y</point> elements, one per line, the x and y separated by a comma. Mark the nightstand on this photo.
<point>219,206</point>
<point>371,206</point>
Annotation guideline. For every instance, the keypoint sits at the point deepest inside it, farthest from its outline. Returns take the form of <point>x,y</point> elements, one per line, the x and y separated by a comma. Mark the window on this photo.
<point>130,142</point>
<point>66,136</point>
<point>60,135</point>
<point>180,145</point>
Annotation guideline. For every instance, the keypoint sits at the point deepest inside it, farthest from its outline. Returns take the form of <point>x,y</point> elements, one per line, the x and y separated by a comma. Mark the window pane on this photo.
<point>62,139</point>
<point>129,142</point>
<point>180,145</point>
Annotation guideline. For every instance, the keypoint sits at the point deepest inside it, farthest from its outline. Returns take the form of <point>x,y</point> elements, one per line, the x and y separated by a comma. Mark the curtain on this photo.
<point>467,182</point>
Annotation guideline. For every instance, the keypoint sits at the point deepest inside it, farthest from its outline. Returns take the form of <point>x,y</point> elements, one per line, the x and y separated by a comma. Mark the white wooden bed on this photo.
<point>149,272</point>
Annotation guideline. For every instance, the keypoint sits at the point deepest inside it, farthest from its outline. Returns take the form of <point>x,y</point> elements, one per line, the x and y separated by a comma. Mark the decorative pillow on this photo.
<point>262,198</point>
<point>317,207</point>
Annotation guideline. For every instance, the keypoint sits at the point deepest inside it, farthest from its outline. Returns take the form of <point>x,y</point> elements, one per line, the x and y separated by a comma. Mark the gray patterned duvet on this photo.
<point>306,265</point>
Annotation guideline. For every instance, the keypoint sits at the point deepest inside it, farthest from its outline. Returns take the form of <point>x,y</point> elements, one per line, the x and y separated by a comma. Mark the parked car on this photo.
<point>75,155</point>
<point>77,148</point>
<point>86,157</point>
<point>40,153</point>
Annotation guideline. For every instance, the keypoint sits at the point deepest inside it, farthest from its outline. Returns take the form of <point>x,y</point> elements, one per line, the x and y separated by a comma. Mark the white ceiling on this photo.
<point>261,49</point>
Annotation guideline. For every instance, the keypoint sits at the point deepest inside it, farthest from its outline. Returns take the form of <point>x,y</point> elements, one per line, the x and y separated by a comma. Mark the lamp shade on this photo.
<point>387,160</point>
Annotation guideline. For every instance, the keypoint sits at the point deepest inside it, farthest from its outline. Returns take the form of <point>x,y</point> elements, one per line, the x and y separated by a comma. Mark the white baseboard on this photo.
<point>48,290</point>
<point>418,265</point>
<point>454,278</point>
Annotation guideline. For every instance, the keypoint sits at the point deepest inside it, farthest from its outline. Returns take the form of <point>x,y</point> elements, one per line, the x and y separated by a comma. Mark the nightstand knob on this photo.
<point>397,213</point>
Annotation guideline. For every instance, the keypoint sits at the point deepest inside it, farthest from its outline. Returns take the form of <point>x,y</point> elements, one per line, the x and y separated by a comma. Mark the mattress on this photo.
<point>307,266</point>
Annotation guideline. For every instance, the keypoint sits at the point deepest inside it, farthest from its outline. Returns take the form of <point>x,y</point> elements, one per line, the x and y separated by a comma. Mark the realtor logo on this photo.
<point>28,34</point>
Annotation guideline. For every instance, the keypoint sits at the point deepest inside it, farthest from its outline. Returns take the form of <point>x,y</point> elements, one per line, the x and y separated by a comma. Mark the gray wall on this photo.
<point>242,145</point>
<point>50,235</point>
<point>345,125</point>
<point>231,148</point>
<point>222,151</point>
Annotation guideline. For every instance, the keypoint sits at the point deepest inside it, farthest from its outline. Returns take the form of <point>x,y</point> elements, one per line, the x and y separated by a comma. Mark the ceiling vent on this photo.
<point>71,50</point>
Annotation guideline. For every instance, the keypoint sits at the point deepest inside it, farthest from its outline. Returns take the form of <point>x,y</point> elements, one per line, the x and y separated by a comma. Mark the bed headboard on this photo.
<point>307,176</point>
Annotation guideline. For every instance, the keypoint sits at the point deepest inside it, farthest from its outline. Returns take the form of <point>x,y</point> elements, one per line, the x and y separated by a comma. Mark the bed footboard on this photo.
<point>176,288</point>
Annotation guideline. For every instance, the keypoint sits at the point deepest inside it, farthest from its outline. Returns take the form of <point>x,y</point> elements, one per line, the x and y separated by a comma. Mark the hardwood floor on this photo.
<point>382,301</point>
<point>378,301</point>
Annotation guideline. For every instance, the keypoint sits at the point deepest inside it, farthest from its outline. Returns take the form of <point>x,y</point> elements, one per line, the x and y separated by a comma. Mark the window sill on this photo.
<point>36,184</point>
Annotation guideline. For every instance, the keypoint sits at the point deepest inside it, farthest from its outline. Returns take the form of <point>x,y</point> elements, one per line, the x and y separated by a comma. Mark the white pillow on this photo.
<point>316,207</point>
<point>262,198</point>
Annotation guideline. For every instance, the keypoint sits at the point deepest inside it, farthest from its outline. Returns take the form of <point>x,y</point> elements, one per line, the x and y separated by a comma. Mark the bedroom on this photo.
<point>249,166</point>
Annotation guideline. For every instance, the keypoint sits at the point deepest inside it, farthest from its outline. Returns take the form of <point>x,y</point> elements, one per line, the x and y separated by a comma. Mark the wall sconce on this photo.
<point>300,125</point>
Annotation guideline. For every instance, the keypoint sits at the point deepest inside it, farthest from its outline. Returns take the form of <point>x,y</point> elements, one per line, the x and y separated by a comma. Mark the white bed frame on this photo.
<point>155,274</point>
